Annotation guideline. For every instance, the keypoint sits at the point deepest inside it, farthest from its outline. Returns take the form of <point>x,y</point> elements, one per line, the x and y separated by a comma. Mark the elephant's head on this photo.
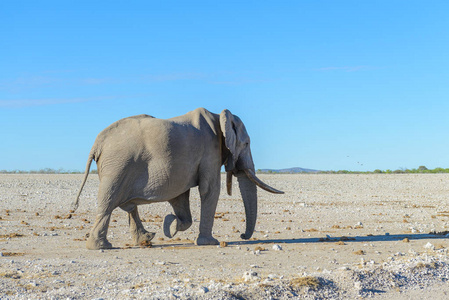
<point>239,162</point>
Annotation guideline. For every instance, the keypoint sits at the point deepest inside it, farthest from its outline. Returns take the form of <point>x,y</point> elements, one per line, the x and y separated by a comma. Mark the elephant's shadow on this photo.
<point>351,239</point>
<point>355,239</point>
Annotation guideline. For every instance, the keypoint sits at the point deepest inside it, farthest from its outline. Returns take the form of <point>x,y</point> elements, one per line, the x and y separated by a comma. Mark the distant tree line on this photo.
<point>45,171</point>
<point>419,170</point>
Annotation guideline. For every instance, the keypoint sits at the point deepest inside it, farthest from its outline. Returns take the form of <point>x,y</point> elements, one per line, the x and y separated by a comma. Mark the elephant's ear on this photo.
<point>227,127</point>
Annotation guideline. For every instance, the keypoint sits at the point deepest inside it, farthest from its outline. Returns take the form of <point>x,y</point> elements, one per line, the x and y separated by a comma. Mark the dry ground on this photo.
<point>328,236</point>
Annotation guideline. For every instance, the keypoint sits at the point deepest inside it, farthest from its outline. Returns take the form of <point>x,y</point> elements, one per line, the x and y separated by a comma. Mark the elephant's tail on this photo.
<point>86,173</point>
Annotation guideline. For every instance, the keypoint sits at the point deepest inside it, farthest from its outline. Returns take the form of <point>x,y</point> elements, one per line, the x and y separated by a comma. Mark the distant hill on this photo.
<point>289,170</point>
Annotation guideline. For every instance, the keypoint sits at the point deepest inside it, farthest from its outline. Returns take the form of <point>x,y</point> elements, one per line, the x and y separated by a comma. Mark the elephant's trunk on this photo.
<point>249,194</point>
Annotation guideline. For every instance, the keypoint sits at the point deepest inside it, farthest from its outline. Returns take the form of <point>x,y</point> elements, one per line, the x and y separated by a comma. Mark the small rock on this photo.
<point>412,252</point>
<point>203,290</point>
<point>249,276</point>
<point>59,281</point>
<point>254,266</point>
<point>429,246</point>
<point>277,247</point>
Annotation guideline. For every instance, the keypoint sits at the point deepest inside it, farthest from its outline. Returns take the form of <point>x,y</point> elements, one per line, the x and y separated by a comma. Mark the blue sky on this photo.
<point>328,85</point>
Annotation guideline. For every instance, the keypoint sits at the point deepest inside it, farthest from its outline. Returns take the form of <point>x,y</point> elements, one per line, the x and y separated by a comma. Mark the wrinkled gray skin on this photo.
<point>142,160</point>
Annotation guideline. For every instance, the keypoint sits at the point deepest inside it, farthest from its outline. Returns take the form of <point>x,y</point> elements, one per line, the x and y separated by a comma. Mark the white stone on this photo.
<point>277,247</point>
<point>249,276</point>
<point>429,246</point>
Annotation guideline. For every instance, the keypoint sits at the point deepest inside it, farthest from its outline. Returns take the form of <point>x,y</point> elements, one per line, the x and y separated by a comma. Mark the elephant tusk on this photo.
<point>252,176</point>
<point>229,183</point>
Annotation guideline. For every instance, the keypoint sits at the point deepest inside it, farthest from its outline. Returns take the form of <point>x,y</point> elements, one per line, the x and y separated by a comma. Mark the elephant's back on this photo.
<point>126,126</point>
<point>126,137</point>
<point>129,123</point>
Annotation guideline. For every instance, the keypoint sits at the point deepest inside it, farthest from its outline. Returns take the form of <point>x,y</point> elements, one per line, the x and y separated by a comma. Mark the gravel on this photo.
<point>329,236</point>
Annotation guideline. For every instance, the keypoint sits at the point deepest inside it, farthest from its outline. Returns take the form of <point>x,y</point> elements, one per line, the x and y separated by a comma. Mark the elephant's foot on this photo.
<point>97,244</point>
<point>206,240</point>
<point>144,236</point>
<point>170,225</point>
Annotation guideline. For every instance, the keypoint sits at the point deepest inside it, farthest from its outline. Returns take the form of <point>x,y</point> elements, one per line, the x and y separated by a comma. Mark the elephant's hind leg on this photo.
<point>107,202</point>
<point>138,232</point>
<point>182,219</point>
<point>98,234</point>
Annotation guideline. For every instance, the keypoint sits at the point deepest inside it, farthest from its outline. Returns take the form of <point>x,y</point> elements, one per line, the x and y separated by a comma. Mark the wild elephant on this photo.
<point>142,159</point>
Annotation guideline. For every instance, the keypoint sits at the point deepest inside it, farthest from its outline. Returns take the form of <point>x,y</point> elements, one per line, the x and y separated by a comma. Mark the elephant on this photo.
<point>142,160</point>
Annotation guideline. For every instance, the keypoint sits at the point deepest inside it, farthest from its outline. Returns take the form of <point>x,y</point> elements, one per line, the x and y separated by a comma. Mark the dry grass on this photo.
<point>12,275</point>
<point>146,244</point>
<point>422,265</point>
<point>439,246</point>
<point>10,235</point>
<point>12,254</point>
<point>306,281</point>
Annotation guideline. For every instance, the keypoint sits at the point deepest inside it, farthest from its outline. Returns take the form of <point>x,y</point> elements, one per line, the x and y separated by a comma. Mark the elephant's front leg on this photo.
<point>182,219</point>
<point>209,194</point>
<point>138,232</point>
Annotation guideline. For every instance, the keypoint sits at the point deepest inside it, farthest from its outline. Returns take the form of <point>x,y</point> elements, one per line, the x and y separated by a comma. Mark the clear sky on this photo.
<point>328,85</point>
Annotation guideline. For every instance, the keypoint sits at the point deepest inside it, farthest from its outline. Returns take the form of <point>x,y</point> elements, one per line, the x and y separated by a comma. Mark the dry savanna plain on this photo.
<point>330,236</point>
